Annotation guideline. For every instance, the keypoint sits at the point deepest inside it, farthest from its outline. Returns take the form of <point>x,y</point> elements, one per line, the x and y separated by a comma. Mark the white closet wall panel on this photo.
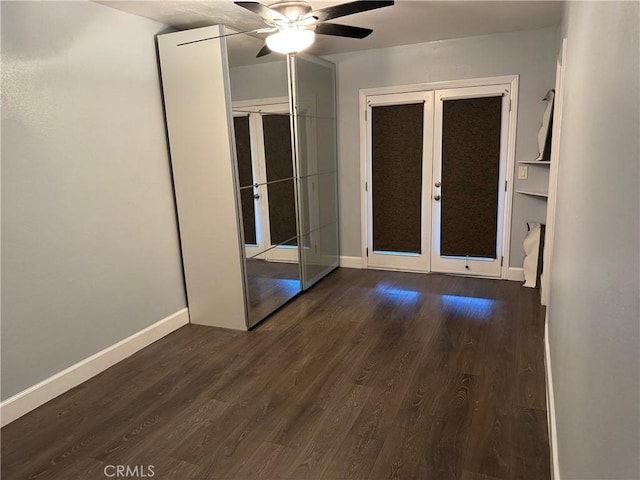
<point>198,121</point>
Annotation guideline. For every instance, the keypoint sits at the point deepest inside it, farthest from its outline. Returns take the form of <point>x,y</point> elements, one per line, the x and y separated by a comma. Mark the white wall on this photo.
<point>594,314</point>
<point>531,54</point>
<point>90,251</point>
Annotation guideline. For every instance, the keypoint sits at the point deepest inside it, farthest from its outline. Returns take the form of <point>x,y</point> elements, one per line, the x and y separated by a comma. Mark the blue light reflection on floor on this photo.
<point>289,285</point>
<point>398,294</point>
<point>477,308</point>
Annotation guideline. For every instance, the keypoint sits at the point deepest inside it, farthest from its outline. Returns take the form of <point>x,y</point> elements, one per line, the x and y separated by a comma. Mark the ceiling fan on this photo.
<point>293,24</point>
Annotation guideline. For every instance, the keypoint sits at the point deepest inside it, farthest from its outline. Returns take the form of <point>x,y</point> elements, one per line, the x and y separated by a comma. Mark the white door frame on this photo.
<point>466,265</point>
<point>393,260</point>
<point>513,80</point>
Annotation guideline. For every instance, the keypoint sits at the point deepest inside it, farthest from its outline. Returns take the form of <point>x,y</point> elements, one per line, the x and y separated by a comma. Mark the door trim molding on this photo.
<point>513,80</point>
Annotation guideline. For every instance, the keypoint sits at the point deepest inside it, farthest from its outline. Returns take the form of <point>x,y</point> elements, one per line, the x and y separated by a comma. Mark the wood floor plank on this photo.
<point>466,475</point>
<point>530,445</point>
<point>228,457</point>
<point>489,451</point>
<point>498,365</point>
<point>403,447</point>
<point>354,458</point>
<point>199,447</point>
<point>389,389</point>
<point>267,459</point>
<point>400,454</point>
<point>370,374</point>
<point>314,458</point>
<point>447,442</point>
<point>308,405</point>
<point>530,387</point>
<point>154,419</point>
<point>189,418</point>
<point>80,468</point>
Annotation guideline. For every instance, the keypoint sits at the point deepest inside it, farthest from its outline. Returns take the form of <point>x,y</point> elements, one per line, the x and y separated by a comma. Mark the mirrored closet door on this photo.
<point>267,184</point>
<point>314,94</point>
<point>253,153</point>
<point>287,171</point>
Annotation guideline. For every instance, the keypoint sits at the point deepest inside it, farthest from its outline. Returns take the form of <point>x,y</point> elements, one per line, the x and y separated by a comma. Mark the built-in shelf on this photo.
<point>536,162</point>
<point>533,194</point>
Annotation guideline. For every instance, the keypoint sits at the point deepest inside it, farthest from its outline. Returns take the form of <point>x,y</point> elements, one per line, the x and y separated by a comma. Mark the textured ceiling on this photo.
<point>404,23</point>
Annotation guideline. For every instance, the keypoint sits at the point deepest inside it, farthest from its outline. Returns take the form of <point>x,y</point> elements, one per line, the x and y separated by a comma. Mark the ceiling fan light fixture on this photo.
<point>290,40</point>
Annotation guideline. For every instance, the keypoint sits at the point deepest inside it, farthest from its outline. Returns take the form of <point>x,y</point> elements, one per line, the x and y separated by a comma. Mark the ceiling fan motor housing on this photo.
<point>294,11</point>
<point>297,23</point>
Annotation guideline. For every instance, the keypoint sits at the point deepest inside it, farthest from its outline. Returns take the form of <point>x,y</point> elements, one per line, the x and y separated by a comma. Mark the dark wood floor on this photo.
<point>369,375</point>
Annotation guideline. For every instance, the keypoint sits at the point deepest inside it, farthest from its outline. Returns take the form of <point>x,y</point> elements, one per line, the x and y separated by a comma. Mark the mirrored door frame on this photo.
<point>365,160</point>
<point>309,107</point>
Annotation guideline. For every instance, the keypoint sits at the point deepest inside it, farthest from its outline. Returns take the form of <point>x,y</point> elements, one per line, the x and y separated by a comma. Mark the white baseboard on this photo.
<point>515,274</point>
<point>551,406</point>
<point>31,398</point>
<point>351,262</point>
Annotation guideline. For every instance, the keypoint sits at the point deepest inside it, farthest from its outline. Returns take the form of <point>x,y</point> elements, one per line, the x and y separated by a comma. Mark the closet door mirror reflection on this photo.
<point>314,92</point>
<point>267,184</point>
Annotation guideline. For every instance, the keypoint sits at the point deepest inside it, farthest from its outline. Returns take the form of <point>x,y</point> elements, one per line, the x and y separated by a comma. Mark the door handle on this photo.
<point>256,195</point>
<point>438,184</point>
<point>436,197</point>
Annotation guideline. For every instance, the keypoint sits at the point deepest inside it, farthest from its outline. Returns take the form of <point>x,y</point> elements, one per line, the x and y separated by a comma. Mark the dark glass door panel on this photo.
<point>245,176</point>
<point>277,147</point>
<point>397,145</point>
<point>282,213</point>
<point>279,166</point>
<point>470,175</point>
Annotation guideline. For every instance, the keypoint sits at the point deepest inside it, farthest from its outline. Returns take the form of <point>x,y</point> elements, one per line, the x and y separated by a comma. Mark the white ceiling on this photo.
<point>404,23</point>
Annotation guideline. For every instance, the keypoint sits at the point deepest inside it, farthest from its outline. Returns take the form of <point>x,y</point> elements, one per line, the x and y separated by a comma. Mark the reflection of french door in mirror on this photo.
<point>437,164</point>
<point>267,191</point>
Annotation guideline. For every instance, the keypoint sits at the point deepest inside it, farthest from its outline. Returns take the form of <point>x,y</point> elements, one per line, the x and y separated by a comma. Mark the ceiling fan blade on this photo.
<point>264,11</point>
<point>263,51</point>
<point>342,30</point>
<point>345,9</point>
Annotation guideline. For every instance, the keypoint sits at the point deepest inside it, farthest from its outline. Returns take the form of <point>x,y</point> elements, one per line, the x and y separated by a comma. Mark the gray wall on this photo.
<point>531,54</point>
<point>263,80</point>
<point>594,312</point>
<point>90,251</point>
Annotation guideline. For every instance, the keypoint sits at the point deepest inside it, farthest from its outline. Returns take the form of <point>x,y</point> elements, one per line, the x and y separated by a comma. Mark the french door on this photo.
<point>436,172</point>
<point>265,170</point>
<point>469,172</point>
<point>399,173</point>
